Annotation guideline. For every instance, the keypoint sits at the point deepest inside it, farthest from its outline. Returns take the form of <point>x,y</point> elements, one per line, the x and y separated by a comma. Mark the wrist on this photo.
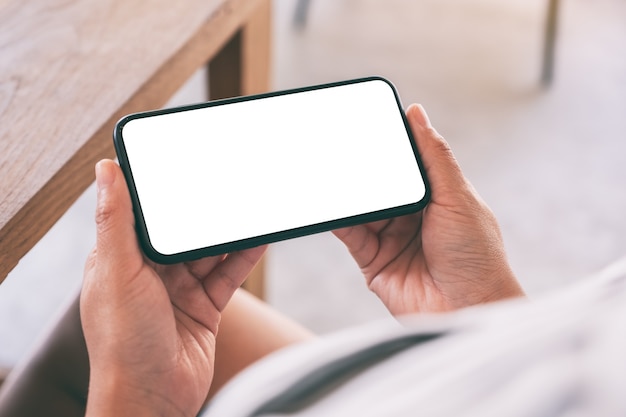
<point>113,393</point>
<point>504,285</point>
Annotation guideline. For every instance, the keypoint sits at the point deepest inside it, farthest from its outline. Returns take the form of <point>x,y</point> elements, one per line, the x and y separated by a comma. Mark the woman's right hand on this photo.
<point>448,256</point>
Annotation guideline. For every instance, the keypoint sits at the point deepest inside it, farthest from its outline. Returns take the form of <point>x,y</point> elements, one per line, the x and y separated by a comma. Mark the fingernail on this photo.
<point>104,174</point>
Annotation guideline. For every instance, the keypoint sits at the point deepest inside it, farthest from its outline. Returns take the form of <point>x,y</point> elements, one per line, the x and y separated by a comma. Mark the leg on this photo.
<point>250,330</point>
<point>53,381</point>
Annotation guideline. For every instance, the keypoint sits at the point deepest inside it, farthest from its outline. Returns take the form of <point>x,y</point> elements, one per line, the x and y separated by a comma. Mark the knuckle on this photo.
<point>105,215</point>
<point>430,131</point>
<point>441,144</point>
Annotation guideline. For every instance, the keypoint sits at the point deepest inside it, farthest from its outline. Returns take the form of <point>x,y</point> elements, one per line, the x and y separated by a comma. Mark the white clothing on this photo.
<point>563,354</point>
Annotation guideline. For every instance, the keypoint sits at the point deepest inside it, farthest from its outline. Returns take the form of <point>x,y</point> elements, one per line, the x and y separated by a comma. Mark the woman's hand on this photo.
<point>150,329</point>
<point>448,256</point>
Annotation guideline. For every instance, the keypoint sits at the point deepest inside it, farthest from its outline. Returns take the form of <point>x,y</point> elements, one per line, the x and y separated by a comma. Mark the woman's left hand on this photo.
<point>150,329</point>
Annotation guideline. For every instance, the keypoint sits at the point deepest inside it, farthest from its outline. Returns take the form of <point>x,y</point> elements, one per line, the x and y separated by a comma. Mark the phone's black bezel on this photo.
<point>220,249</point>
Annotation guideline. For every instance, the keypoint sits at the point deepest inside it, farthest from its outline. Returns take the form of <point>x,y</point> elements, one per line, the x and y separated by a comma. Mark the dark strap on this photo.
<point>318,383</point>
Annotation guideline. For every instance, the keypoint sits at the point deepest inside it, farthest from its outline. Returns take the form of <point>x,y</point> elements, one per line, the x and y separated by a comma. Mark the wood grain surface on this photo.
<point>69,69</point>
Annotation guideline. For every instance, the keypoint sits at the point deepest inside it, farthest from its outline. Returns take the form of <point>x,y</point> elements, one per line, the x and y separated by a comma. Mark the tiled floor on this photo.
<point>551,163</point>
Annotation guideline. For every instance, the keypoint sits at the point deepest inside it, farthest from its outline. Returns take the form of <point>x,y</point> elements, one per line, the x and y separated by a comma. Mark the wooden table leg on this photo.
<point>256,51</point>
<point>242,67</point>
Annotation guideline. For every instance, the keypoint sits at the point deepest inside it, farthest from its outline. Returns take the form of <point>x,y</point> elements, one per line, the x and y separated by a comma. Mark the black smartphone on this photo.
<point>221,176</point>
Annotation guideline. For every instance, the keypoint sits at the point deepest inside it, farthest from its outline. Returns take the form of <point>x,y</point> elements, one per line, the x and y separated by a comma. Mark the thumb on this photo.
<point>116,242</point>
<point>442,168</point>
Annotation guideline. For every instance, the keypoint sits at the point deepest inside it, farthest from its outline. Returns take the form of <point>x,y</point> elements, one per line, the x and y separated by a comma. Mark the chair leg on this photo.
<point>547,71</point>
<point>302,10</point>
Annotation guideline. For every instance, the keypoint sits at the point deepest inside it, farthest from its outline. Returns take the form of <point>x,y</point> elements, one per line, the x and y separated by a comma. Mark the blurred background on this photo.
<point>550,161</point>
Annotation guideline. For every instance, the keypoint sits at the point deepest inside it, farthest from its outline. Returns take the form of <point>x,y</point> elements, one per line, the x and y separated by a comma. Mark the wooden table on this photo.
<point>69,69</point>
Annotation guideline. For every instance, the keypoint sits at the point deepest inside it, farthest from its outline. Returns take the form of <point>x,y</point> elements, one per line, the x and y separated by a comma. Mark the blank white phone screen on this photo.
<point>220,174</point>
